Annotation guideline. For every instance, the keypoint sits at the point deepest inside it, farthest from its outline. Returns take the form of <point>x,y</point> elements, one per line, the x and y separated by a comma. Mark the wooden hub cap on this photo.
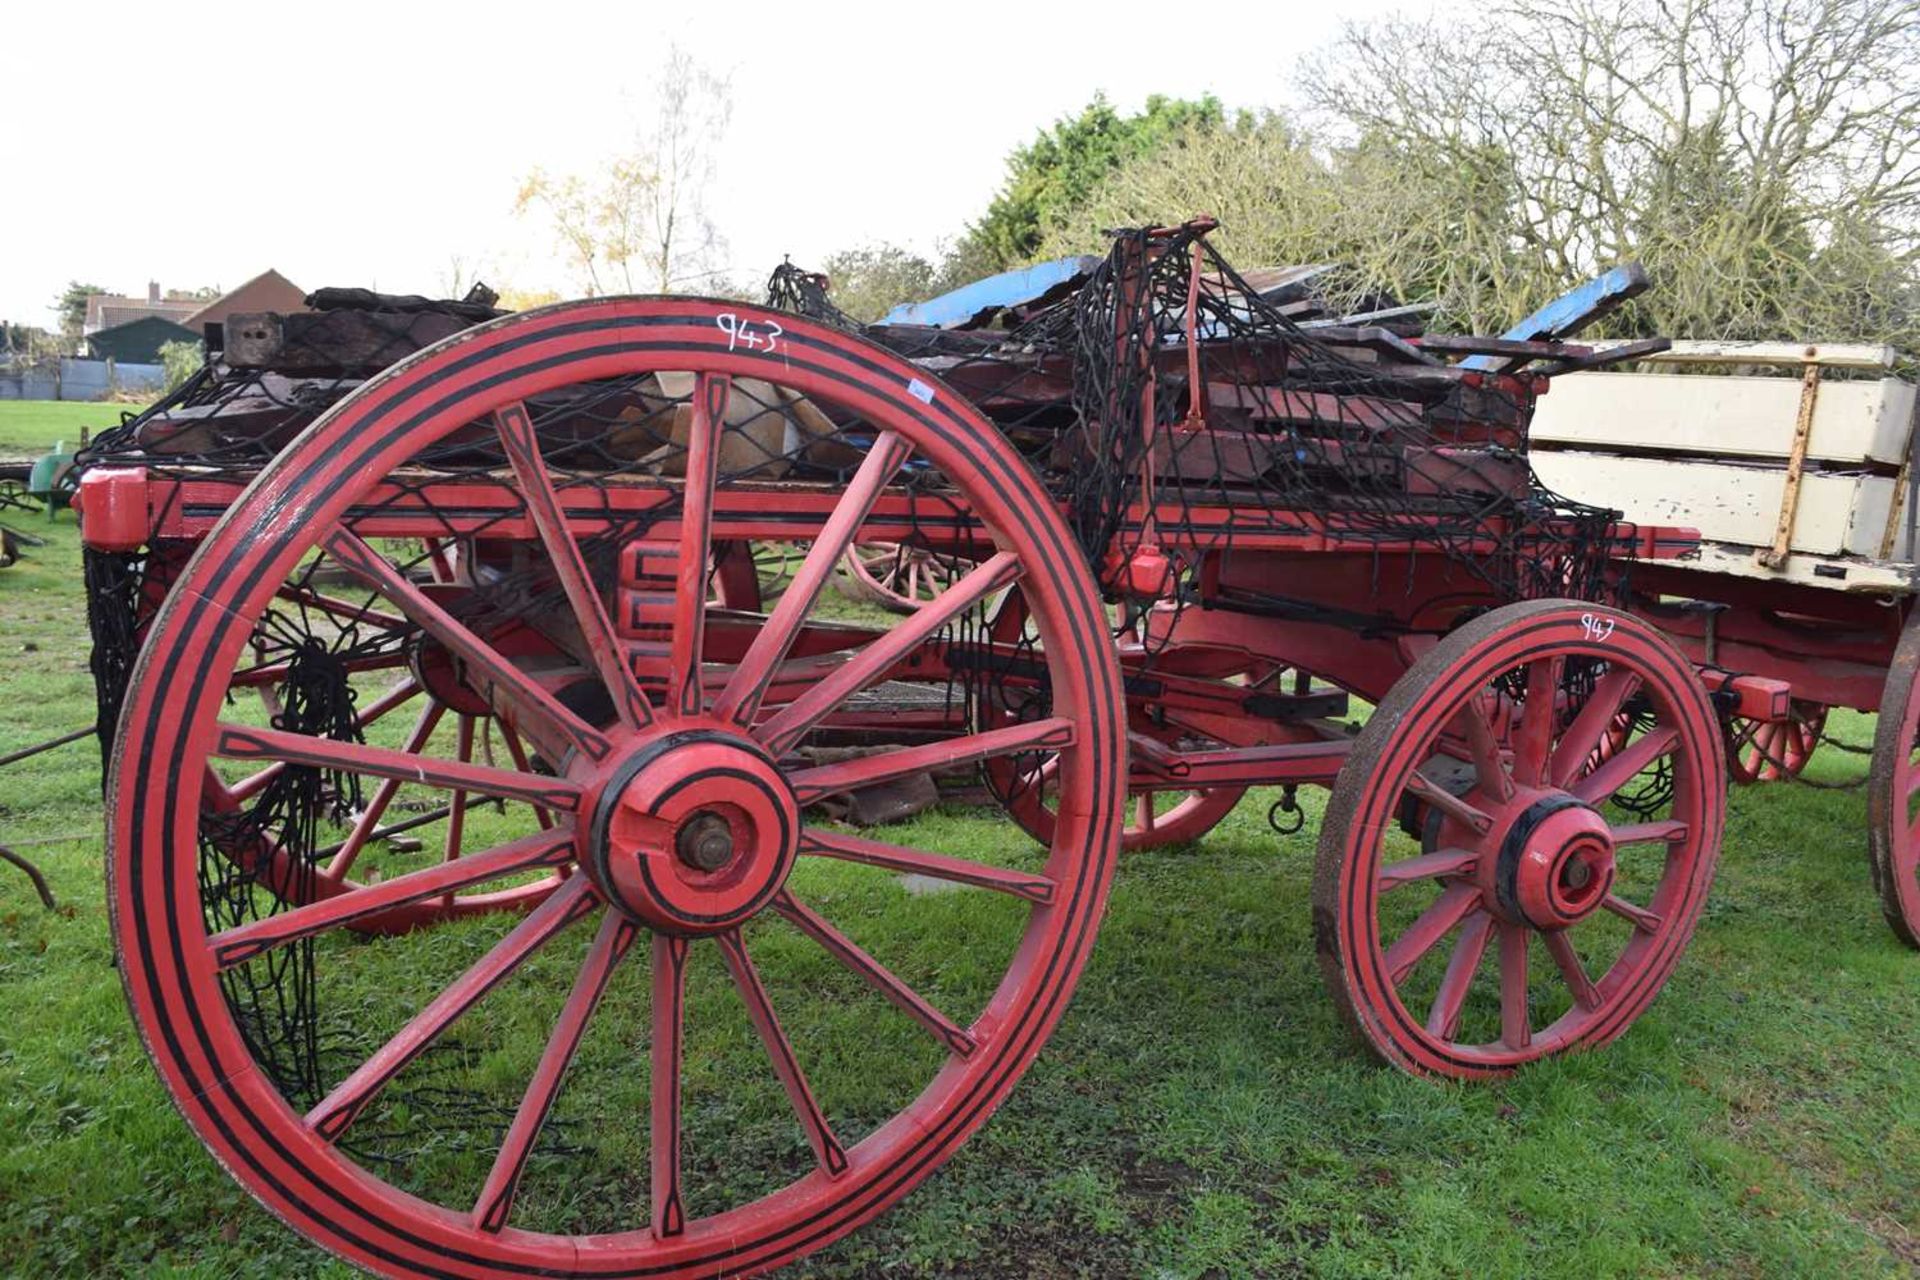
<point>693,833</point>
<point>1556,863</point>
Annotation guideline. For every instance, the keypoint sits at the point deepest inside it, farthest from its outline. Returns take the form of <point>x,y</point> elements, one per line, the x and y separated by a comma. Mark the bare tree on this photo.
<point>642,223</point>
<point>1762,156</point>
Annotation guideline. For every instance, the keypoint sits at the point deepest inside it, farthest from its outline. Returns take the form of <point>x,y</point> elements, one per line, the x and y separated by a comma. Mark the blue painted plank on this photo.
<point>1008,289</point>
<point>1567,314</point>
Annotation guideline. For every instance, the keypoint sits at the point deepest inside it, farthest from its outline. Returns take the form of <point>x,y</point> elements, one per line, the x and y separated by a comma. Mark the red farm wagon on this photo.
<point>485,736</point>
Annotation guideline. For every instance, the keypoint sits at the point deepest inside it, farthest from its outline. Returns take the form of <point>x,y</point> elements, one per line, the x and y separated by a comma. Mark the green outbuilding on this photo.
<point>138,341</point>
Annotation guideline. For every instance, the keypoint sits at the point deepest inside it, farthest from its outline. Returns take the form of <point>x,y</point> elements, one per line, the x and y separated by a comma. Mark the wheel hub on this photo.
<point>1555,864</point>
<point>693,833</point>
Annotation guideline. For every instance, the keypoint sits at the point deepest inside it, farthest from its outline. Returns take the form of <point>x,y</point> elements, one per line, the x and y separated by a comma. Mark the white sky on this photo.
<point>349,143</point>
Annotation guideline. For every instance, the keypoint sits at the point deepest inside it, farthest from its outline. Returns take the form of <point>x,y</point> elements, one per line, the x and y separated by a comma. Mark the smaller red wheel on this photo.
<point>1769,750</point>
<point>1893,792</point>
<point>1160,819</point>
<point>1552,835</point>
<point>897,577</point>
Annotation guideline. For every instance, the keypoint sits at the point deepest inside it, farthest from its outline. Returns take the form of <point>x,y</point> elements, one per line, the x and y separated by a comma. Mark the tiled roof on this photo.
<point>105,310</point>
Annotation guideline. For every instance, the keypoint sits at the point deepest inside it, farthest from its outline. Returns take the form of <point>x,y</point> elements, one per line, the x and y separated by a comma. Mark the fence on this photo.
<point>81,380</point>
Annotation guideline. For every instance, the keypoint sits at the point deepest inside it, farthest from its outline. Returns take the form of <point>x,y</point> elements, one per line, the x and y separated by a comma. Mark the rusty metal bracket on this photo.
<point>1776,555</point>
<point>33,874</point>
<point>8,855</point>
<point>1894,510</point>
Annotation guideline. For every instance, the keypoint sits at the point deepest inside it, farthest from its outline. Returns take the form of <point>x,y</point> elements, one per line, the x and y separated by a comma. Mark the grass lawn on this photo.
<point>28,428</point>
<point>1200,1113</point>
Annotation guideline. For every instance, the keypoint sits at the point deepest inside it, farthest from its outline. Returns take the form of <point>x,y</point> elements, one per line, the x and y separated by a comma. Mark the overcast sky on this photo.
<point>370,144</point>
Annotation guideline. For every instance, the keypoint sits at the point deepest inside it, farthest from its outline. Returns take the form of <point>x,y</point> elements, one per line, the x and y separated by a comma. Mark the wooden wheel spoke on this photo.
<point>1441,864</point>
<point>1533,735</point>
<point>343,609</point>
<point>1618,771</point>
<point>1443,1016</point>
<point>457,805</point>
<point>1030,885</point>
<point>666,1050</point>
<point>816,784</point>
<point>1489,766</point>
<point>711,392</point>
<point>826,1148</point>
<point>874,974</point>
<point>244,942</point>
<point>482,660</point>
<point>243,742</point>
<point>1639,917</point>
<point>1453,806</point>
<point>1664,831</point>
<point>334,1113</point>
<point>739,700</point>
<point>1589,730</point>
<point>1516,1023</point>
<point>873,662</point>
<point>1567,960</point>
<point>522,444</point>
<point>517,752</point>
<point>616,936</point>
<point>274,673</point>
<point>1433,924</point>
<point>400,694</point>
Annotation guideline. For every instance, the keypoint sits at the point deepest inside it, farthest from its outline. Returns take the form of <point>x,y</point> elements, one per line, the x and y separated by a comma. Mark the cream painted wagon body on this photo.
<point>1795,464</point>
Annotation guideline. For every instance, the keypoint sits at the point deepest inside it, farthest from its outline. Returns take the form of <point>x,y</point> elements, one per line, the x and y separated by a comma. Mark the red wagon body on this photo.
<point>1172,534</point>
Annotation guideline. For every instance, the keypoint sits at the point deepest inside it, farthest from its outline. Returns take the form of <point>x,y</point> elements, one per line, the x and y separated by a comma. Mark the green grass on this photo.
<point>28,428</point>
<point>1200,1113</point>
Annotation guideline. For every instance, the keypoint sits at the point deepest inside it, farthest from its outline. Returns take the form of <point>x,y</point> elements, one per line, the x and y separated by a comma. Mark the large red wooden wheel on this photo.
<point>1893,791</point>
<point>1550,891</point>
<point>665,794</point>
<point>1770,750</point>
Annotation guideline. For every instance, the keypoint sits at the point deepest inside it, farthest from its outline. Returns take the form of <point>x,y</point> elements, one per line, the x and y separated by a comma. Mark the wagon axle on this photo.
<point>705,843</point>
<point>1555,862</point>
<point>693,833</point>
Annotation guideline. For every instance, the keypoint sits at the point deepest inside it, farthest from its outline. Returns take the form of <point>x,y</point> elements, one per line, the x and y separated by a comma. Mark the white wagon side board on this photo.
<point>1710,415</point>
<point>1839,514</point>
<point>1798,476</point>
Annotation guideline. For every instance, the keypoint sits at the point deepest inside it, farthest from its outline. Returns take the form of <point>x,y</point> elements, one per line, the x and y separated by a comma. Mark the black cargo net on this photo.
<point>259,853</point>
<point>804,293</point>
<point>1190,386</point>
<point>1176,407</point>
